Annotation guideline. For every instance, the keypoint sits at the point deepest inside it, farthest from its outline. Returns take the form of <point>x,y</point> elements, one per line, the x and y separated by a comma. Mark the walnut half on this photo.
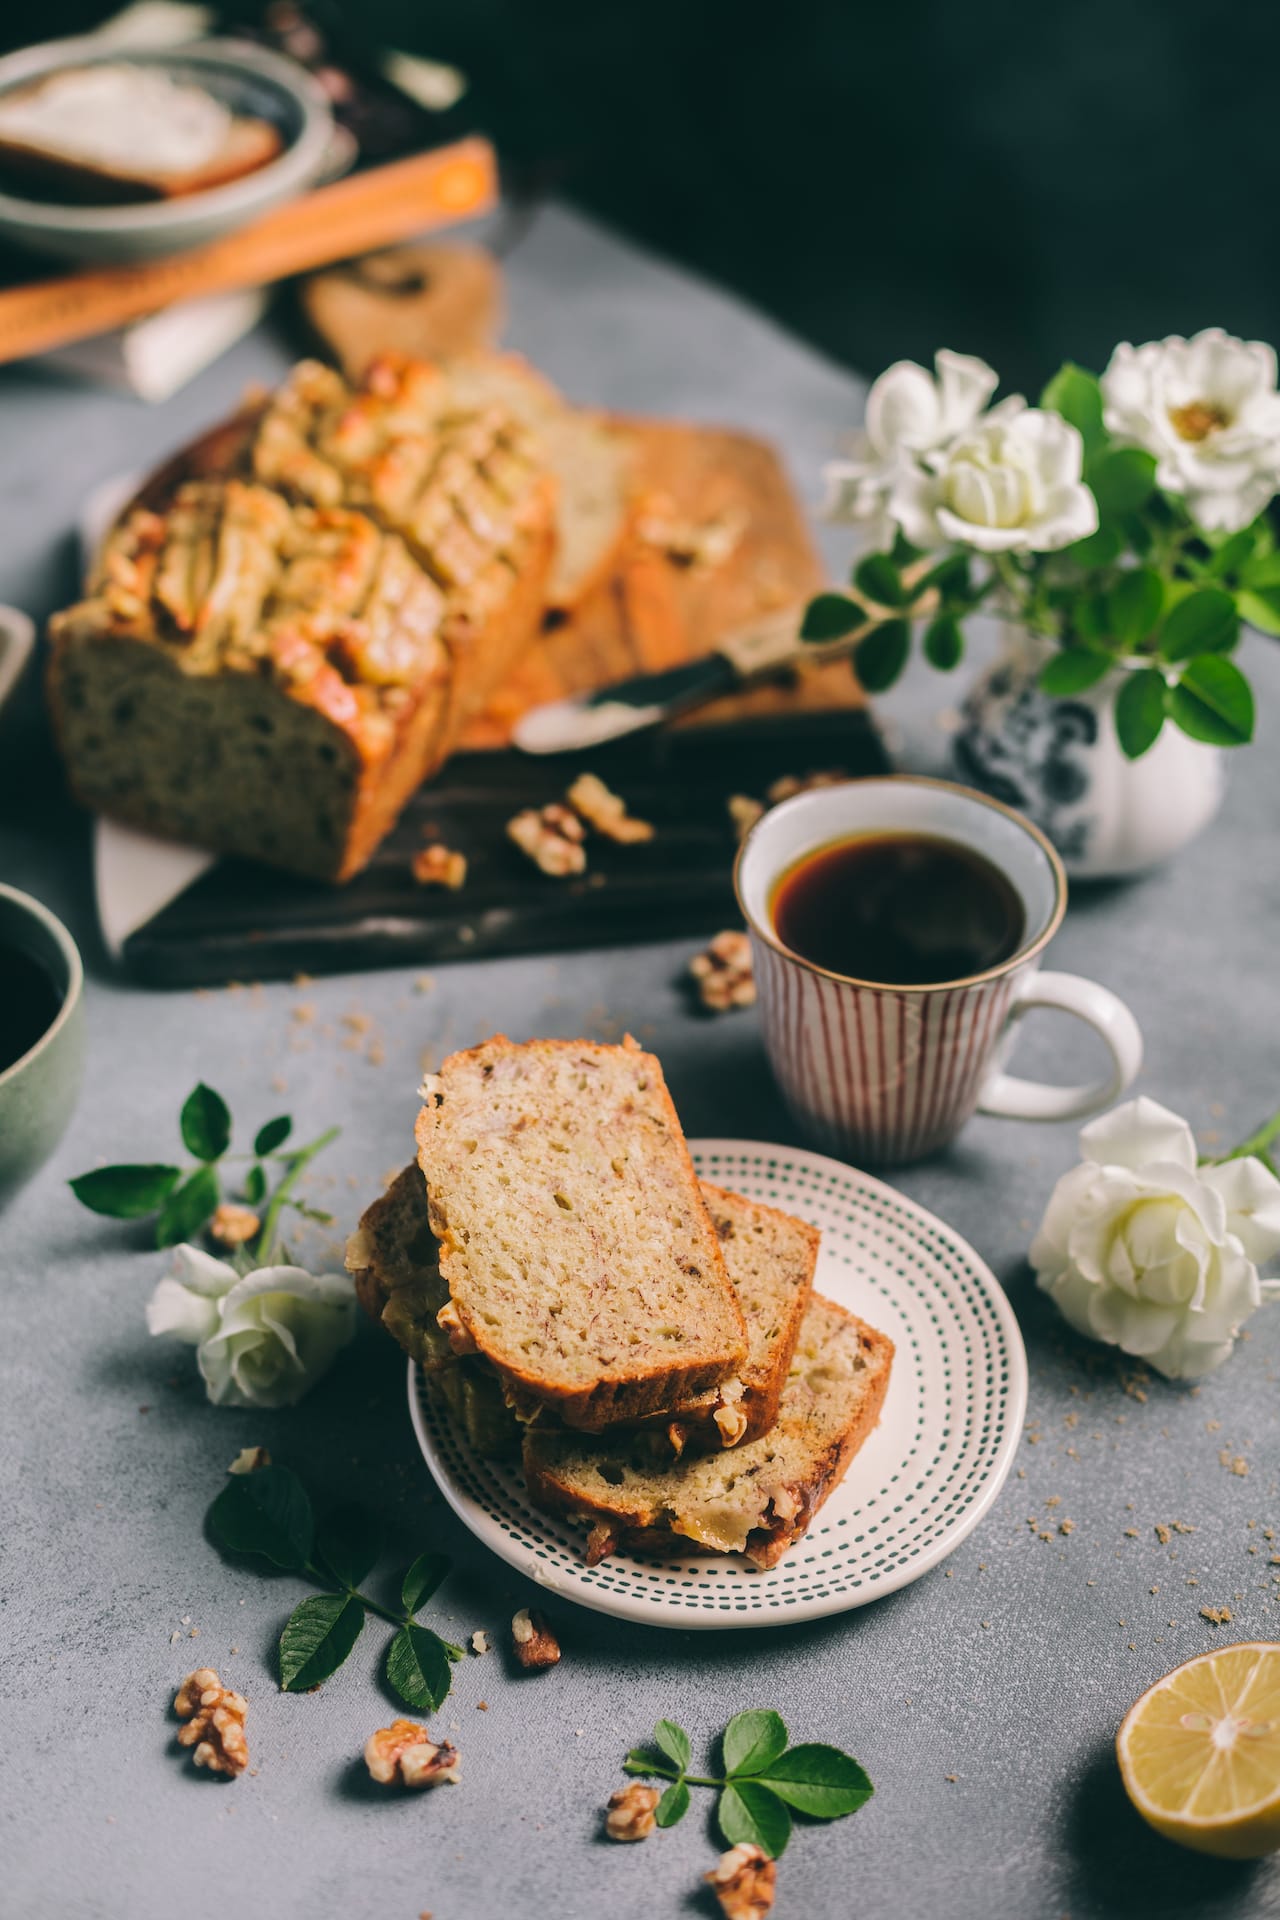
<point>743,1881</point>
<point>629,1815</point>
<point>533,1641</point>
<point>405,1755</point>
<point>214,1717</point>
<point>723,972</point>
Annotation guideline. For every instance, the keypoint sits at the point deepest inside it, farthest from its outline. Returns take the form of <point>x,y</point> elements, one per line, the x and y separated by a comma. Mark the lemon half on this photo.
<point>1200,1752</point>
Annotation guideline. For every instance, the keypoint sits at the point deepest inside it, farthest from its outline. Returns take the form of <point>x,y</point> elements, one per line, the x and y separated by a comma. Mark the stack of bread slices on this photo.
<point>650,1345</point>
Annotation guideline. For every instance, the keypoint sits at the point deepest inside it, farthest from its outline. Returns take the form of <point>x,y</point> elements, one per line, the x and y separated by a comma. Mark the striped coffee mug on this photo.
<point>886,1073</point>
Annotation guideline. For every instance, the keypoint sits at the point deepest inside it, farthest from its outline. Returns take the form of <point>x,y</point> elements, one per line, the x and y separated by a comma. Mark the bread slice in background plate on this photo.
<point>758,1499</point>
<point>577,1249</point>
<point>769,1256</point>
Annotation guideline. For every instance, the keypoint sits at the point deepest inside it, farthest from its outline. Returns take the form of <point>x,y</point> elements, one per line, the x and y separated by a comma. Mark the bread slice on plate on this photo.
<point>769,1257</point>
<point>577,1249</point>
<point>757,1500</point>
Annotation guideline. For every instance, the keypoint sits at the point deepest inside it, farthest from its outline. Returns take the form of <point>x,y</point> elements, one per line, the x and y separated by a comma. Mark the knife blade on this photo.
<point>757,652</point>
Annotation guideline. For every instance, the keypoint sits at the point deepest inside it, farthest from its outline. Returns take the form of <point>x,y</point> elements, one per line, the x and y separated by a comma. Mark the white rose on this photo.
<point>1208,409</point>
<point>909,412</point>
<point>1143,1250</point>
<point>1011,484</point>
<point>262,1339</point>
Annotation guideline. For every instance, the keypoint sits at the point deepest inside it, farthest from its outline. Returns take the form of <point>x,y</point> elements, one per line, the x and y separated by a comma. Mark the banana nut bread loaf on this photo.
<point>574,1239</point>
<point>284,635</point>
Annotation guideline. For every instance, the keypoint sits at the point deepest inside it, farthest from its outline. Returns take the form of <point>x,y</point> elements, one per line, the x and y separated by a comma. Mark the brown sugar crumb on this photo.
<point>302,979</point>
<point>1163,1534</point>
<point>1235,1463</point>
<point>1054,1500</point>
<point>303,1014</point>
<point>357,1022</point>
<point>425,983</point>
<point>1213,1426</point>
<point>1071,1420</point>
<point>482,1706</point>
<point>1131,1533</point>
<point>1218,1616</point>
<point>1066,1526</point>
<point>952,1777</point>
<point>279,1084</point>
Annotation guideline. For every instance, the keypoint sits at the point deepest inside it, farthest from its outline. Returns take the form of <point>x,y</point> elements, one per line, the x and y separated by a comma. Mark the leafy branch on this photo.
<point>184,1199</point>
<point>764,1780</point>
<point>1150,596</point>
<point>268,1514</point>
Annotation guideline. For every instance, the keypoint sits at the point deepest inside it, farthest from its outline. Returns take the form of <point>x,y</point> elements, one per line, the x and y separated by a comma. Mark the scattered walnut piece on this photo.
<point>1163,1534</point>
<point>602,1540</point>
<point>231,1226</point>
<point>744,812</point>
<point>1220,1616</point>
<point>723,973</point>
<point>479,1641</point>
<point>214,1717</point>
<point>404,1754</point>
<point>439,866</point>
<point>793,783</point>
<point>249,1459</point>
<point>552,837</point>
<point>606,811</point>
<point>743,1881</point>
<point>630,1812</point>
<point>691,543</point>
<point>533,1641</point>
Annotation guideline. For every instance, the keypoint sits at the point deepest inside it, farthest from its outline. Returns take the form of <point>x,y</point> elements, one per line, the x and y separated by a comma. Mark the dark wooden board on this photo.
<point>242,922</point>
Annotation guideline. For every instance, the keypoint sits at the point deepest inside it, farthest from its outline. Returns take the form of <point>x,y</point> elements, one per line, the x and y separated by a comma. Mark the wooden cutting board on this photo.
<point>659,611</point>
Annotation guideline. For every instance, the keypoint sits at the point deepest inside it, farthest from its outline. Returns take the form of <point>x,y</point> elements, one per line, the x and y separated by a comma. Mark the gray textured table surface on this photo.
<point>109,1455</point>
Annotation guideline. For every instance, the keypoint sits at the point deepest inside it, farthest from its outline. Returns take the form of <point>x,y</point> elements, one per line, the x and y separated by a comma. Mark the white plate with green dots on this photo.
<point>920,1484</point>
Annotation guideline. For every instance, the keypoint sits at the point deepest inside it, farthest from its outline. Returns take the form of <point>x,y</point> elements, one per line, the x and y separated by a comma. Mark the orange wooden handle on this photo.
<point>371,209</point>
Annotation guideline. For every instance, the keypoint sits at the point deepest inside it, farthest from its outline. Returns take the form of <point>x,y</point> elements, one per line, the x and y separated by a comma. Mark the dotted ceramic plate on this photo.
<point>923,1480</point>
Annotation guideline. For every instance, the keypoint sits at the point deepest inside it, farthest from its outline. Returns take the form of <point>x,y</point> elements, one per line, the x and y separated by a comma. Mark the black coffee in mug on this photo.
<point>898,909</point>
<point>29,1003</point>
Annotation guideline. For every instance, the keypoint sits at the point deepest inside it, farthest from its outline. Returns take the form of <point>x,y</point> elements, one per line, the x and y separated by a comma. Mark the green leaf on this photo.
<point>273,1134</point>
<point>1213,701</point>
<point>266,1513</point>
<point>349,1542</point>
<point>644,1760</point>
<point>187,1209</point>
<point>318,1636</point>
<point>881,657</point>
<point>752,1740</point>
<point>877,579</point>
<point>125,1193</point>
<point>1074,669</point>
<point>418,1668</point>
<point>1234,553</point>
<point>1133,606</point>
<point>1205,621</point>
<point>902,553</point>
<point>206,1124</point>
<point>943,643</point>
<point>422,1579</point>
<point>1077,396</point>
<point>1100,549</point>
<point>1140,705</point>
<point>1122,480</point>
<point>750,1815</point>
<point>1261,608</point>
<point>673,1741</point>
<point>949,576</point>
<point>829,616</point>
<point>673,1805</point>
<point>255,1185</point>
<point>820,1781</point>
<point>1264,571</point>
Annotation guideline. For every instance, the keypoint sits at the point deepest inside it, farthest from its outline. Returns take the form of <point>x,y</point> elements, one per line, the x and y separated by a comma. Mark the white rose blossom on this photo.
<point>262,1339</point>
<point>909,412</point>
<point>1208,409</point>
<point>1011,484</point>
<point>1144,1250</point>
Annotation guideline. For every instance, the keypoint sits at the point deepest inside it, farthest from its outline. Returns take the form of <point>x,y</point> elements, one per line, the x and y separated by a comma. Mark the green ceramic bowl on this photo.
<point>39,1091</point>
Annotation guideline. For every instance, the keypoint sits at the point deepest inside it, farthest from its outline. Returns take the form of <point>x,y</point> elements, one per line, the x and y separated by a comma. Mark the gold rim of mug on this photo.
<point>766,933</point>
<point>75,976</point>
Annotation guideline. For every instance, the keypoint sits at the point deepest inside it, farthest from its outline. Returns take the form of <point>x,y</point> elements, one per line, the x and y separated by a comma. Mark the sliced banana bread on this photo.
<point>574,1240</point>
<point>757,1500</point>
<point>285,633</point>
<point>769,1257</point>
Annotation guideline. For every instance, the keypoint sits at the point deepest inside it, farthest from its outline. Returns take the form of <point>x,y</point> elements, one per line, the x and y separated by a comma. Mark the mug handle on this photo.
<point>1017,1099</point>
